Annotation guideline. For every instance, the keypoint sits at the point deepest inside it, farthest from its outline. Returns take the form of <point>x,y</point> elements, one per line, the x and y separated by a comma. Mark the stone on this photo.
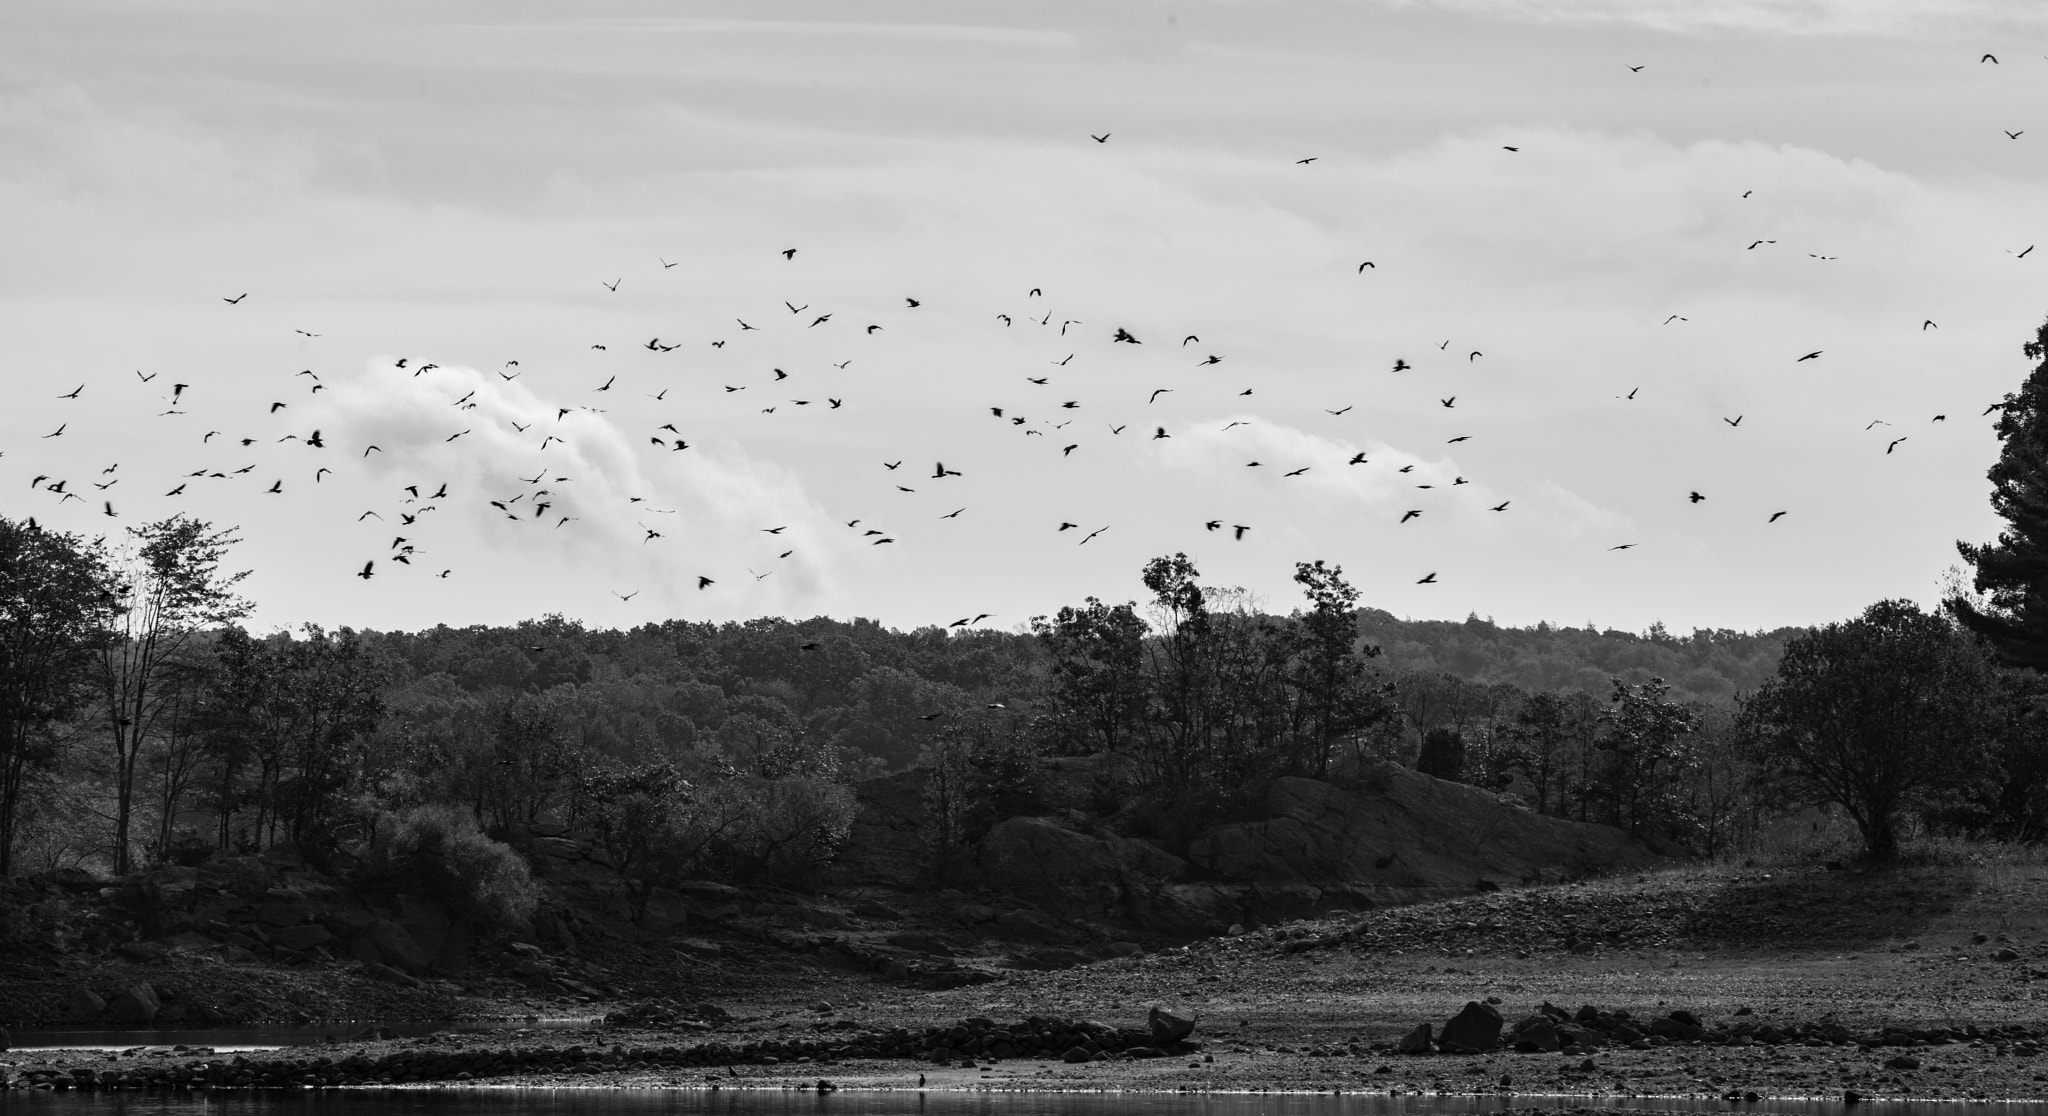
<point>136,1004</point>
<point>1077,1054</point>
<point>666,910</point>
<point>1902,1062</point>
<point>234,875</point>
<point>143,951</point>
<point>83,1006</point>
<point>972,914</point>
<point>1416,1041</point>
<point>1474,1030</point>
<point>1537,1033</point>
<point>396,947</point>
<point>285,906</point>
<point>190,939</point>
<point>1168,1028</point>
<point>302,937</point>
<point>2006,954</point>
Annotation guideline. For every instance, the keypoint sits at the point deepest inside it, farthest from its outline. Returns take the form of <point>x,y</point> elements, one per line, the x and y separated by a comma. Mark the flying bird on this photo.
<point>2016,135</point>
<point>1695,497</point>
<point>1307,161</point>
<point>1104,137</point>
<point>236,299</point>
<point>1736,421</point>
<point>1775,516</point>
<point>1623,546</point>
<point>1991,58</point>
<point>1810,356</point>
<point>1412,513</point>
<point>1894,444</point>
<point>612,286</point>
<point>1366,264</point>
<point>1237,530</point>
<point>1428,579</point>
<point>1124,335</point>
<point>73,393</point>
<point>1502,506</point>
<point>369,568</point>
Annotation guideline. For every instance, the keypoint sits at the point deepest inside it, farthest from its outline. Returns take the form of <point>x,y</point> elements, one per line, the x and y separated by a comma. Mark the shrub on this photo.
<point>440,851</point>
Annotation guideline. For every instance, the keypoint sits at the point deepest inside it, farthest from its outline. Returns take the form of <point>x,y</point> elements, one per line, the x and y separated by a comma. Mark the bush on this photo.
<point>440,851</point>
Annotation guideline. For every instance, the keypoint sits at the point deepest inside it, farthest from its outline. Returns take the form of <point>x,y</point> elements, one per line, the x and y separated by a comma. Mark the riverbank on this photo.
<point>1927,981</point>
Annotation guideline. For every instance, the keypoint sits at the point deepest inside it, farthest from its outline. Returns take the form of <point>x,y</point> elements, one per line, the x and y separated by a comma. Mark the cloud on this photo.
<point>594,500</point>
<point>1891,18</point>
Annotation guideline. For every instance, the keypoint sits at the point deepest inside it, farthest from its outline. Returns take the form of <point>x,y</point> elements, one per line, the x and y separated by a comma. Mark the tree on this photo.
<point>50,586</point>
<point>2012,572</point>
<point>1544,731</point>
<point>1097,691</point>
<point>167,588</point>
<point>1879,715</point>
<point>1646,748</point>
<point>1329,666</point>
<point>1442,754</point>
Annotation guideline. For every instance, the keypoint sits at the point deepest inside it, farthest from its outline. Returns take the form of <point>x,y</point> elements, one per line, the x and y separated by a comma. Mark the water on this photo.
<point>229,1040</point>
<point>691,1102</point>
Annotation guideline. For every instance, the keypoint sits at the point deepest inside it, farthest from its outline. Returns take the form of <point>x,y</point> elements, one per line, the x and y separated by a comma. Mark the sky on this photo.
<point>537,254</point>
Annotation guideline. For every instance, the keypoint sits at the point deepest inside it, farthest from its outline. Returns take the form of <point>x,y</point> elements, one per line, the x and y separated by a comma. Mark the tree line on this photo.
<point>141,722</point>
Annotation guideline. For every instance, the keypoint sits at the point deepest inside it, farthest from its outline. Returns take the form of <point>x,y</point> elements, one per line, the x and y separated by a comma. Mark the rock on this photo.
<point>302,937</point>
<point>396,947</point>
<point>387,973</point>
<point>143,951</point>
<point>83,1006</point>
<point>2006,954</point>
<point>1416,1041</point>
<point>1123,949</point>
<point>190,939</point>
<point>1475,1030</point>
<point>1168,1028</point>
<point>973,914</point>
<point>285,906</point>
<point>234,875</point>
<point>1078,1053</point>
<point>666,910</point>
<point>1902,1062</point>
<point>136,1004</point>
<point>1537,1033</point>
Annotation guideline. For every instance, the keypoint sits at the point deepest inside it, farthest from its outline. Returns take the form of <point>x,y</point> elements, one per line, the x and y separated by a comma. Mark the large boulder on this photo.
<point>83,1006</point>
<point>135,1005</point>
<point>234,875</point>
<point>1168,1028</point>
<point>1474,1030</point>
<point>395,947</point>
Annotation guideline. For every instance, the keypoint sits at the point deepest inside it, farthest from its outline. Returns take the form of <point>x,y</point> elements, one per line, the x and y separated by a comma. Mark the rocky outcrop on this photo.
<point>1398,836</point>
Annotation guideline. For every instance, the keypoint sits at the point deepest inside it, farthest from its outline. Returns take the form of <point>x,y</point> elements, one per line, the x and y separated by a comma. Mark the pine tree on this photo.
<point>2012,572</point>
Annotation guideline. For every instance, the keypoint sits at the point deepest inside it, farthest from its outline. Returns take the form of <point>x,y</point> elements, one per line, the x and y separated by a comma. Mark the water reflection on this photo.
<point>663,1102</point>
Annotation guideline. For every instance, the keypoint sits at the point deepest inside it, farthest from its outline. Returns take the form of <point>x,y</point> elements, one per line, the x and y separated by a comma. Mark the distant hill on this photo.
<point>1707,666</point>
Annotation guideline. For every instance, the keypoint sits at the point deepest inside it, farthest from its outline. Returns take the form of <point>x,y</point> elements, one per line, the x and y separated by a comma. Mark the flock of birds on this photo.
<point>542,501</point>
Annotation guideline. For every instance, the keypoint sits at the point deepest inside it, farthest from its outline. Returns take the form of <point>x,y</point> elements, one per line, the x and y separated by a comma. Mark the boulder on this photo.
<point>136,1004</point>
<point>83,1006</point>
<point>234,875</point>
<point>285,906</point>
<point>666,910</point>
<point>1474,1030</point>
<point>974,914</point>
<point>1536,1033</point>
<point>1168,1028</point>
<point>396,947</point>
<point>1416,1041</point>
<point>302,937</point>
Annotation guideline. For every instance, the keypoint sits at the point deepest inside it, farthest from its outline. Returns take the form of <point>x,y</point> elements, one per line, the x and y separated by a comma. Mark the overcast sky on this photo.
<point>1571,190</point>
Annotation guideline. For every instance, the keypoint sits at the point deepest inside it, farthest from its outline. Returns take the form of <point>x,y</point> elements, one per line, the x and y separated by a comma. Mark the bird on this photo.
<point>775,530</point>
<point>2016,135</point>
<point>1366,264</point>
<point>148,378</point>
<point>109,506</point>
<point>1401,365</point>
<point>2024,251</point>
<point>954,514</point>
<point>377,448</point>
<point>1237,530</point>
<point>819,320</point>
<point>1877,422</point>
<point>1296,472</point>
<point>626,596</point>
<point>1156,393</point>
<point>665,265</point>
<point>1357,459</point>
<point>1694,497</point>
<point>1456,440</point>
<point>1754,243</point>
<point>1894,444</point>
<point>1635,69</point>
<point>1810,356</point>
<point>1775,516</point>
<point>1103,138</point>
<point>789,253</point>
<point>1632,393</point>
<point>1991,58</point>
<point>1473,355</point>
<point>1156,434</point>
<point>1428,579</point>
<point>912,303</point>
<point>1339,410</point>
<point>1505,147</point>
<point>73,393</point>
<point>1993,407</point>
<point>369,569</point>
<point>939,471</point>
<point>1449,402</point>
<point>1307,161</point>
<point>1502,506</point>
<point>178,491</point>
<point>1675,318</point>
<point>705,582</point>
<point>612,286</point>
<point>1736,421</point>
<point>1927,325</point>
<point>1411,514</point>
<point>1091,534</point>
<point>1623,546</point>
<point>1125,335</point>
<point>59,430</point>
<point>236,299</point>
<point>1065,526</point>
<point>794,308</point>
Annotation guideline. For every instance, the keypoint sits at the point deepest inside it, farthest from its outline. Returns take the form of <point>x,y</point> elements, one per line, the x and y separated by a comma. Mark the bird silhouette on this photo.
<point>1411,514</point>
<point>1103,138</point>
<point>1694,497</point>
<point>1125,336</point>
<point>1366,264</point>
<point>1623,546</point>
<point>1894,444</point>
<point>2016,135</point>
<point>1237,530</point>
<point>236,299</point>
<point>1427,579</point>
<point>1502,506</point>
<point>1736,421</point>
<point>1775,516</point>
<point>1357,459</point>
<point>73,393</point>
<point>612,286</point>
<point>368,570</point>
<point>1810,356</point>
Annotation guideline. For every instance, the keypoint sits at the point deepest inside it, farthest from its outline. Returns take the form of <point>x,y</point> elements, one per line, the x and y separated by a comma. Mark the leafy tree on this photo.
<point>1545,731</point>
<point>2012,572</point>
<point>50,586</point>
<point>657,826</point>
<point>1442,754</point>
<point>1329,668</point>
<point>1879,715</point>
<point>1097,690</point>
<point>167,589</point>
<point>1645,748</point>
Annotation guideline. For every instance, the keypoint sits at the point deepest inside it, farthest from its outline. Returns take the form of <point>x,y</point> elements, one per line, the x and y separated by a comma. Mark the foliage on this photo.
<point>1442,754</point>
<point>1881,715</point>
<point>439,850</point>
<point>49,587</point>
<point>2012,572</point>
